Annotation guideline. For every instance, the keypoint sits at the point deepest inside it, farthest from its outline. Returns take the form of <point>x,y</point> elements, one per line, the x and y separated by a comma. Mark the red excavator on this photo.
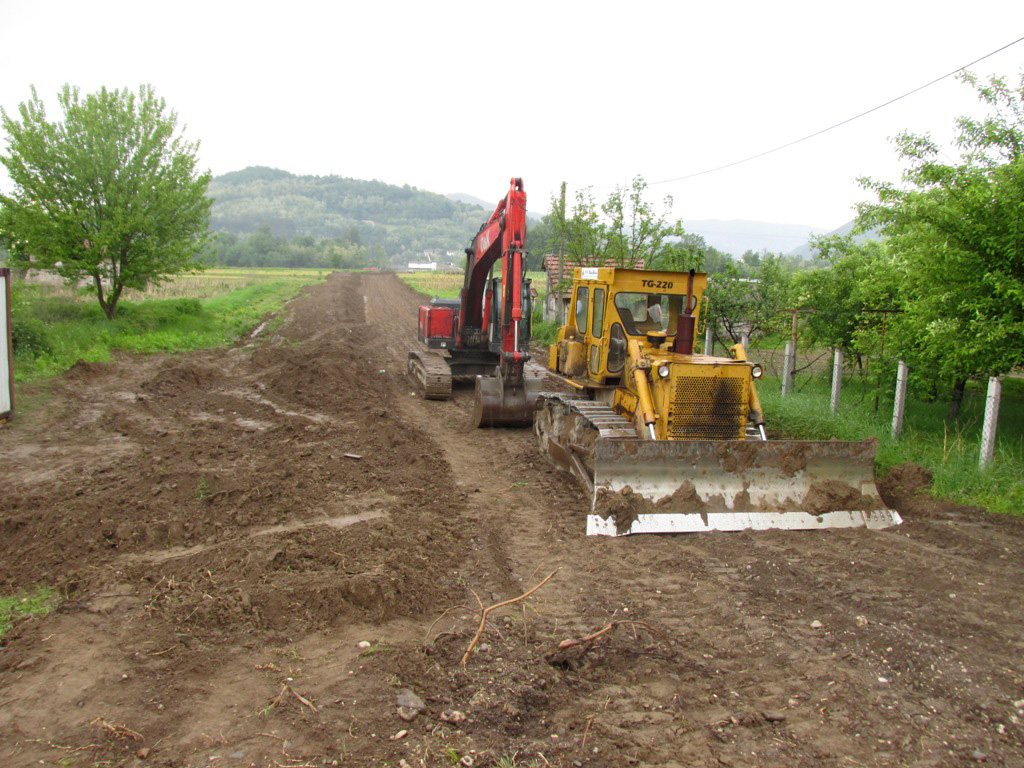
<point>485,333</point>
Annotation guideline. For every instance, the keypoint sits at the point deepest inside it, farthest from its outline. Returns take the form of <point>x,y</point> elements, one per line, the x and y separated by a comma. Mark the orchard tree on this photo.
<point>109,193</point>
<point>753,305</point>
<point>625,230</point>
<point>860,280</point>
<point>956,231</point>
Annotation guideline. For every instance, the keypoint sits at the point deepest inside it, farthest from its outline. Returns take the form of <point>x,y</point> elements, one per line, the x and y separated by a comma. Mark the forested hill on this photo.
<point>402,222</point>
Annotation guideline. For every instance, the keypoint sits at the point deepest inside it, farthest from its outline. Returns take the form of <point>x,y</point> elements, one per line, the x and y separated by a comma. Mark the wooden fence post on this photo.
<point>837,379</point>
<point>787,368</point>
<point>988,431</point>
<point>901,400</point>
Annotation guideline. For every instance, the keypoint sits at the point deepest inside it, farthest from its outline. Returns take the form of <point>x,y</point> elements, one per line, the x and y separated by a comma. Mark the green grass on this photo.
<point>446,285</point>
<point>949,449</point>
<point>54,328</point>
<point>36,603</point>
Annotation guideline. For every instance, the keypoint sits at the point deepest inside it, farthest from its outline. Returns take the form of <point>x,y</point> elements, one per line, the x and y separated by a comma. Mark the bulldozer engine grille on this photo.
<point>708,408</point>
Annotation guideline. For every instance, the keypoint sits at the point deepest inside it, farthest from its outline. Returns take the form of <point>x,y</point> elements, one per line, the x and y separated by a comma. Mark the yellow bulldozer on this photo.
<point>667,440</point>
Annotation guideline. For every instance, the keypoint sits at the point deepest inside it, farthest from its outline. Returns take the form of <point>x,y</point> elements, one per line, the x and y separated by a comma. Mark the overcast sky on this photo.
<point>460,96</point>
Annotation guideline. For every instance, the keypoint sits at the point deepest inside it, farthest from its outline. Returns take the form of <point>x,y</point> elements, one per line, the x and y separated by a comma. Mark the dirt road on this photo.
<point>229,526</point>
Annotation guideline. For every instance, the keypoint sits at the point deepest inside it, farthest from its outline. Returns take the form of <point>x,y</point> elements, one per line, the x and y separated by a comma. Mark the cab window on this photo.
<point>582,308</point>
<point>644,312</point>
<point>598,312</point>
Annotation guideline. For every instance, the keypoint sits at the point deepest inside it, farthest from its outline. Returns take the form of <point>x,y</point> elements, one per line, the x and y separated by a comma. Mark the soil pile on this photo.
<point>277,555</point>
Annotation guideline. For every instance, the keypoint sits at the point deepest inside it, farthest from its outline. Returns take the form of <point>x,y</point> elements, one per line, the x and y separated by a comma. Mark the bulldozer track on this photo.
<point>607,422</point>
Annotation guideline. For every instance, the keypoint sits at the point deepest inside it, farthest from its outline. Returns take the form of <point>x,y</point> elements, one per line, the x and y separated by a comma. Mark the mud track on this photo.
<point>227,527</point>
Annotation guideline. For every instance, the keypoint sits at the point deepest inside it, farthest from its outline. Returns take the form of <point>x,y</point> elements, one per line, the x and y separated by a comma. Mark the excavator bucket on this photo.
<point>644,486</point>
<point>499,404</point>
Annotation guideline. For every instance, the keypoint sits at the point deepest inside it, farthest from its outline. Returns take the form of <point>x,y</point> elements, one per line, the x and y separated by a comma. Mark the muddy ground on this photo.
<point>227,527</point>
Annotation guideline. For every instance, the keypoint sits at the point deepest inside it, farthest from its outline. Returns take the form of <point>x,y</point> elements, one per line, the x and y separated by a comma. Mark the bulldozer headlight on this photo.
<point>663,371</point>
<point>756,371</point>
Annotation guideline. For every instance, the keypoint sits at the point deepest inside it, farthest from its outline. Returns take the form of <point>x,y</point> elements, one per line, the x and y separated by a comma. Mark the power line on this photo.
<point>837,125</point>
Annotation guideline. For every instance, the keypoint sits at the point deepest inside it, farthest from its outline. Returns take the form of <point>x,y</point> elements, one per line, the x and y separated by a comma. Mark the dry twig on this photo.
<point>122,732</point>
<point>586,643</point>
<point>286,689</point>
<point>434,622</point>
<point>485,611</point>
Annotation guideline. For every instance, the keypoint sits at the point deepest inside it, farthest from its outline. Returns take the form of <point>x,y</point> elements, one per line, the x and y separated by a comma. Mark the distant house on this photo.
<point>559,284</point>
<point>430,266</point>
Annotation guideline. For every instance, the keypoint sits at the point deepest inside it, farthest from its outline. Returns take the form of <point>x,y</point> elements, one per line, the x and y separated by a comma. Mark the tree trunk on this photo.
<point>957,399</point>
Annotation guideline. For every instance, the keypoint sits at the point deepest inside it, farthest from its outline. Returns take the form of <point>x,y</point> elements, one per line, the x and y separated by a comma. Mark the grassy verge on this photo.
<point>54,328</point>
<point>446,285</point>
<point>37,603</point>
<point>948,449</point>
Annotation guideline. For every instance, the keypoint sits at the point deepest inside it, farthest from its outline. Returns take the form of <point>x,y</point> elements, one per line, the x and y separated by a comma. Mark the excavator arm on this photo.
<point>502,237</point>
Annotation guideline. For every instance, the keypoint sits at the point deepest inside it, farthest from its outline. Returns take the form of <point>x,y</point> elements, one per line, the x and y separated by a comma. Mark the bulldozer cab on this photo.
<point>609,306</point>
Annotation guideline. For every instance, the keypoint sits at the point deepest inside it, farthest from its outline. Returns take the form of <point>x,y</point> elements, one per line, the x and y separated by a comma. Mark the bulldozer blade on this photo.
<point>644,486</point>
<point>505,406</point>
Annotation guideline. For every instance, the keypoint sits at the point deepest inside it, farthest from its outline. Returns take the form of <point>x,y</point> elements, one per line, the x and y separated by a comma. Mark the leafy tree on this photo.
<point>750,305</point>
<point>625,230</point>
<point>683,253</point>
<point>956,231</point>
<point>857,278</point>
<point>108,194</point>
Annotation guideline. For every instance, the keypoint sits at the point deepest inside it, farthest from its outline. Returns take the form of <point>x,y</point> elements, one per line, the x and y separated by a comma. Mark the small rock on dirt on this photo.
<point>453,716</point>
<point>410,700</point>
<point>364,644</point>
<point>979,756</point>
<point>816,624</point>
<point>408,714</point>
<point>400,735</point>
<point>773,716</point>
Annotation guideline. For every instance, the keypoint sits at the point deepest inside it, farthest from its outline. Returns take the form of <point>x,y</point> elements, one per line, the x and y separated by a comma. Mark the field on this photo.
<point>446,285</point>
<point>276,555</point>
<point>55,325</point>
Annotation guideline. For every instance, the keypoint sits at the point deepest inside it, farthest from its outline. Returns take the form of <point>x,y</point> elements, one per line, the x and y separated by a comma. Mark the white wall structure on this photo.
<point>6,362</point>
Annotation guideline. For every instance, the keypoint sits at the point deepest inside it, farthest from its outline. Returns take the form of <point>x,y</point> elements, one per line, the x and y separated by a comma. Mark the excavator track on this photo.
<point>679,486</point>
<point>432,372</point>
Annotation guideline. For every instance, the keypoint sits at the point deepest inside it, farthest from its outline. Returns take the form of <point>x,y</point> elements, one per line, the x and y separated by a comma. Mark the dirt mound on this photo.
<point>83,371</point>
<point>262,548</point>
<point>906,478</point>
<point>174,380</point>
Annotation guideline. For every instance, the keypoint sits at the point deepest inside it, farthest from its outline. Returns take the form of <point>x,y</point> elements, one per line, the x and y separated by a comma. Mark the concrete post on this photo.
<point>6,349</point>
<point>837,379</point>
<point>709,338</point>
<point>787,368</point>
<point>901,400</point>
<point>745,341</point>
<point>988,430</point>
